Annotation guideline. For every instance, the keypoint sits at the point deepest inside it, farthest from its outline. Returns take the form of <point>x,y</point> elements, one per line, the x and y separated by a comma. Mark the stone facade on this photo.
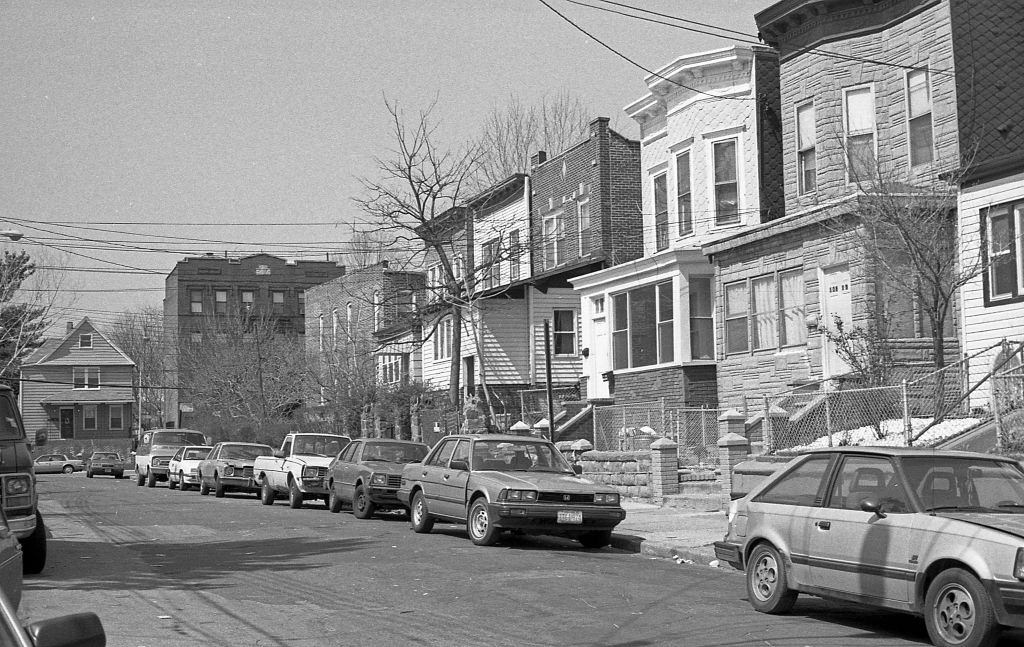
<point>678,386</point>
<point>628,472</point>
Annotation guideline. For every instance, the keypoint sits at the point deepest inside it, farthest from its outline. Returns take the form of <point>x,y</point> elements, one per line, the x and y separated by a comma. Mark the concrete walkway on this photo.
<point>676,533</point>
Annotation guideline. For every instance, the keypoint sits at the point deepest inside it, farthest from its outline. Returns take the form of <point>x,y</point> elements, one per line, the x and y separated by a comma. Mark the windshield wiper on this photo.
<point>957,508</point>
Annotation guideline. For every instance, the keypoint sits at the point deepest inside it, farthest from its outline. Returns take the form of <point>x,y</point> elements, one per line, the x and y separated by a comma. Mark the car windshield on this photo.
<point>105,456</point>
<point>177,438</point>
<point>244,452</point>
<point>9,429</point>
<point>965,484</point>
<point>518,456</point>
<point>195,454</point>
<point>394,452</point>
<point>317,445</point>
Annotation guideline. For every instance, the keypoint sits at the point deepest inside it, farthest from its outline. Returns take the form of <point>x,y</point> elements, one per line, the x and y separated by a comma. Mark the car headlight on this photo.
<point>309,472</point>
<point>607,498</point>
<point>528,496</point>
<point>378,479</point>
<point>229,470</point>
<point>1018,565</point>
<point>17,485</point>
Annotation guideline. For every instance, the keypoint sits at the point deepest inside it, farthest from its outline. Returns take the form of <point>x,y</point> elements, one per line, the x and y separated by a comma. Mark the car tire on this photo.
<point>362,507</point>
<point>218,487</point>
<point>204,489</point>
<point>596,538</point>
<point>150,478</point>
<point>958,611</point>
<point>767,586</point>
<point>295,498</point>
<point>140,478</point>
<point>181,481</point>
<point>171,483</point>
<point>119,475</point>
<point>68,469</point>
<point>33,549</point>
<point>481,528</point>
<point>334,502</point>
<point>419,518</point>
<point>88,474</point>
<point>267,494</point>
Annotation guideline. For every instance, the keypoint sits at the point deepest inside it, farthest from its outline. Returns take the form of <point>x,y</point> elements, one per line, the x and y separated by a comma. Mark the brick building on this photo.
<point>709,127</point>
<point>203,289</point>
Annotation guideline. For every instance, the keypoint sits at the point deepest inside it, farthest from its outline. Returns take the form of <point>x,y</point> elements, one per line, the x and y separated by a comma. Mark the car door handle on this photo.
<point>445,477</point>
<point>823,525</point>
<point>424,473</point>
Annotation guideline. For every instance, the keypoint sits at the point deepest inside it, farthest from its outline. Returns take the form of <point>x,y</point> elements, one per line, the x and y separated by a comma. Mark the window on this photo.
<point>807,162</point>
<point>684,195</point>
<point>919,117</point>
<point>803,485</point>
<point>301,295</point>
<point>89,417</point>
<point>727,194</point>
<point>513,255</point>
<point>554,240</point>
<point>583,215</point>
<point>765,312</point>
<point>435,283</point>
<point>248,297</point>
<point>195,301</point>
<point>334,328</point>
<point>220,302</point>
<point>405,303</point>
<point>661,212</point>
<point>349,320</point>
<point>564,332</point>
<point>86,377</point>
<point>392,367</point>
<point>458,267</point>
<point>116,416</point>
<point>320,332</point>
<point>702,325</point>
<point>598,306</point>
<point>85,341</point>
<point>868,477</point>
<point>489,270</point>
<point>859,108</point>
<point>642,326</point>
<point>1000,226</point>
<point>378,310</point>
<point>277,302</point>
<point>443,335</point>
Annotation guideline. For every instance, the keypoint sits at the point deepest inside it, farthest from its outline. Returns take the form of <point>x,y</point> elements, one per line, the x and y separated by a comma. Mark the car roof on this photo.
<point>498,437</point>
<point>387,441</point>
<point>900,452</point>
<point>242,442</point>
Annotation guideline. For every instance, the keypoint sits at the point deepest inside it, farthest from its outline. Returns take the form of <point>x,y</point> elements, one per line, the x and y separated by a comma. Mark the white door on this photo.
<point>835,303</point>
<point>597,386</point>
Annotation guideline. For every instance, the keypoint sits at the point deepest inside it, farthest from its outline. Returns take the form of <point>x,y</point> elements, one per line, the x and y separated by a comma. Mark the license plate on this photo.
<point>570,516</point>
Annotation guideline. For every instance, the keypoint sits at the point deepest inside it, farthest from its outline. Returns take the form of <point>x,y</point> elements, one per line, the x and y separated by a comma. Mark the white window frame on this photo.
<point>391,367</point>
<point>776,313</point>
<point>277,298</point>
<point>1015,213</point>
<point>688,229</point>
<point>584,222</point>
<point>300,296</point>
<point>85,340</point>
<point>571,333</point>
<point>95,414</point>
<point>443,338</point>
<point>661,223</point>
<point>220,302</point>
<point>660,326</point>
<point>514,256</point>
<point>334,329</point>
<point>111,408</point>
<point>378,310</point>
<point>713,181</point>
<point>248,300</point>
<point>87,374</point>
<point>808,151</point>
<point>912,117</point>
<point>709,317</point>
<point>320,336</point>
<point>848,133</point>
<point>553,238</point>
<point>195,306</point>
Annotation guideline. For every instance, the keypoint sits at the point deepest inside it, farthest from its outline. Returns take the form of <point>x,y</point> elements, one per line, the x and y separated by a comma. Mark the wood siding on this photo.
<point>566,370</point>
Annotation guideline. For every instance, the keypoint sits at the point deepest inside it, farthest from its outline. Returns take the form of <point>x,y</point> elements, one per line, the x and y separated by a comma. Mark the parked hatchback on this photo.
<point>935,533</point>
<point>367,473</point>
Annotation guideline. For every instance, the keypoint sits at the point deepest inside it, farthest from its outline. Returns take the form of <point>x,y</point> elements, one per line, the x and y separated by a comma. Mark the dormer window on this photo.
<point>85,341</point>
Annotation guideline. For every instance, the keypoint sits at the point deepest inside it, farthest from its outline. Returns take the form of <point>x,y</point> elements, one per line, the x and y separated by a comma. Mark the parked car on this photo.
<point>229,468</point>
<point>56,464</point>
<point>73,630</point>
<point>934,533</point>
<point>494,482</point>
<point>11,566</point>
<point>368,472</point>
<point>183,468</point>
<point>156,448</point>
<point>299,469</point>
<point>104,463</point>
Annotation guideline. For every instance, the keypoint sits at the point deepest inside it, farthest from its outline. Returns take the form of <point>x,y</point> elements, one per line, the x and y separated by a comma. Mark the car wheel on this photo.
<point>150,478</point>
<point>334,502</point>
<point>266,492</point>
<point>362,507</point>
<point>596,539</point>
<point>68,469</point>
<point>958,611</point>
<point>295,497</point>
<point>181,481</point>
<point>33,549</point>
<point>140,478</point>
<point>218,487</point>
<point>419,518</point>
<point>204,489</point>
<point>119,475</point>
<point>478,523</point>
<point>88,474</point>
<point>767,588</point>
<point>171,483</point>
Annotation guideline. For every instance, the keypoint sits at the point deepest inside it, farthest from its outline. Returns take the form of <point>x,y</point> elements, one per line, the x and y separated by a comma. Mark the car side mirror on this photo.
<point>459,465</point>
<point>278,453</point>
<point>77,629</point>
<point>577,469</point>
<point>872,504</point>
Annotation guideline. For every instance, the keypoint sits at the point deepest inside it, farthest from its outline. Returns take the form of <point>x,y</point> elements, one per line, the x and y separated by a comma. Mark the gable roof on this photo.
<point>46,352</point>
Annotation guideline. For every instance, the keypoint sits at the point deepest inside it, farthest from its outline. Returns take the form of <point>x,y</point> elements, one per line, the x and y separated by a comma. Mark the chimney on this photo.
<point>71,326</point>
<point>538,158</point>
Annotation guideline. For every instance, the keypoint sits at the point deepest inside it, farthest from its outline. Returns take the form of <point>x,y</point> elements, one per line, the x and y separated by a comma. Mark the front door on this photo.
<point>67,423</point>
<point>835,304</point>
<point>452,497</point>
<point>597,385</point>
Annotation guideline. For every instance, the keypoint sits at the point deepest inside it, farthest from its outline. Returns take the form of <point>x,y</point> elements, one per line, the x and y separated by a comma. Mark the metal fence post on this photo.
<point>828,416</point>
<point>664,428</point>
<point>766,423</point>
<point>996,417</point>
<point>907,431</point>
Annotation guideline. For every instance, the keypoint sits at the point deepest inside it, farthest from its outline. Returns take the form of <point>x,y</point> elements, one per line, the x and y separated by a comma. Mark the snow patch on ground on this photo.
<point>893,434</point>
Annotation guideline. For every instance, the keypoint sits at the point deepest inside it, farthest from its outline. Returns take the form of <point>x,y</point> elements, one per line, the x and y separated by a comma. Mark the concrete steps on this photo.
<point>703,496</point>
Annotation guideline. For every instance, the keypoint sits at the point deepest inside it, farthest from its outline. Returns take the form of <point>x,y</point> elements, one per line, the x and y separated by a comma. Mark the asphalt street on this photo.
<point>171,568</point>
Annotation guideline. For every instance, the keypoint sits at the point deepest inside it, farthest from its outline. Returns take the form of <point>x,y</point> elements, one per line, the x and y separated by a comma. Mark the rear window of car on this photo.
<point>802,485</point>
<point>106,456</point>
<point>196,454</point>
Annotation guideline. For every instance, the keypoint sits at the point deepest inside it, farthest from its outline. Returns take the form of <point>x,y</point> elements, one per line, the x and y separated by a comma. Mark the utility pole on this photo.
<point>547,370</point>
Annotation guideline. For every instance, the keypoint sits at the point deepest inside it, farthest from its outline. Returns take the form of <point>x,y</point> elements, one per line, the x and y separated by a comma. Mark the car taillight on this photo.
<point>1018,565</point>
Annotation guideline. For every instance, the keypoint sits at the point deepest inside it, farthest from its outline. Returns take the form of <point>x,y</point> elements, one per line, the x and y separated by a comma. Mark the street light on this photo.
<point>13,234</point>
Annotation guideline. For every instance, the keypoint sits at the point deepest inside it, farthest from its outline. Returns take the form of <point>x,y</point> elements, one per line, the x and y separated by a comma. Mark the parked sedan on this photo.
<point>229,468</point>
<point>934,533</point>
<point>494,483</point>
<point>57,464</point>
<point>367,473</point>
<point>183,469</point>
<point>104,463</point>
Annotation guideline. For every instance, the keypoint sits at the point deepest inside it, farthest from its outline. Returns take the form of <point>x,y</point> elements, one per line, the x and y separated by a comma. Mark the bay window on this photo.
<point>765,312</point>
<point>661,212</point>
<point>702,324</point>
<point>726,180</point>
<point>642,326</point>
<point>684,194</point>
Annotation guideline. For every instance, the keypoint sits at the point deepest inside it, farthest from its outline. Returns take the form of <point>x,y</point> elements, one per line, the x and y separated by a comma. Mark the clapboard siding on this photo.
<point>984,326</point>
<point>565,369</point>
<point>505,356</point>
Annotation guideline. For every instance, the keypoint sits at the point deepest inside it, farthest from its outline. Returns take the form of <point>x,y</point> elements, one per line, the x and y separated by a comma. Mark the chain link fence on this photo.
<point>1008,409</point>
<point>533,403</point>
<point>634,426</point>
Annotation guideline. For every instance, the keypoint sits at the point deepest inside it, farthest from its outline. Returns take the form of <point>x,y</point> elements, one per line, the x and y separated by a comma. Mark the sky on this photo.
<point>134,134</point>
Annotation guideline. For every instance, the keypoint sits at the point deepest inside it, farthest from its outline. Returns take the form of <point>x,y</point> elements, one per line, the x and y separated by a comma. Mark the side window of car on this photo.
<point>178,454</point>
<point>868,477</point>
<point>357,452</point>
<point>443,454</point>
<point>803,485</point>
<point>346,454</point>
<point>286,448</point>
<point>461,452</point>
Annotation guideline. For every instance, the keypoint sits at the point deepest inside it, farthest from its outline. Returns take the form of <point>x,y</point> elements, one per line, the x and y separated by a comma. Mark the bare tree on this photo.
<point>140,335</point>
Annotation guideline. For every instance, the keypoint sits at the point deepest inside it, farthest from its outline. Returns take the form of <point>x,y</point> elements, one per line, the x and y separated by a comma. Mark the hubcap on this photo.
<point>480,522</point>
<point>765,577</point>
<point>361,501</point>
<point>417,510</point>
<point>954,613</point>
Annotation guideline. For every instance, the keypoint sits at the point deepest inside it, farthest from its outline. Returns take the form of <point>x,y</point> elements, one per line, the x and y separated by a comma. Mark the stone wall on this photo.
<point>627,472</point>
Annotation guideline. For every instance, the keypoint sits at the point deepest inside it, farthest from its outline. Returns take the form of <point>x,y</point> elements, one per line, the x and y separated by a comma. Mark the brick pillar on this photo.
<point>664,469</point>
<point>731,421</point>
<point>733,449</point>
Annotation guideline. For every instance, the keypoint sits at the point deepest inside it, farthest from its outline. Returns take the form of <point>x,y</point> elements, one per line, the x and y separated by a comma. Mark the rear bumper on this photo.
<point>730,553</point>
<point>544,518</point>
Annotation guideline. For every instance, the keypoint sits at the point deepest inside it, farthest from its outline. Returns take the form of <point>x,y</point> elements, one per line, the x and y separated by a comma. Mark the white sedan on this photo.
<point>183,469</point>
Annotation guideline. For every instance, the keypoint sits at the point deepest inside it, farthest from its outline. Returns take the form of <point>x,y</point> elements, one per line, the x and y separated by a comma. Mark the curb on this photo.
<point>702,555</point>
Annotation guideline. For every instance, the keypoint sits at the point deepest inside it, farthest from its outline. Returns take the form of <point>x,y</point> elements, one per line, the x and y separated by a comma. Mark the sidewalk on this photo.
<point>675,533</point>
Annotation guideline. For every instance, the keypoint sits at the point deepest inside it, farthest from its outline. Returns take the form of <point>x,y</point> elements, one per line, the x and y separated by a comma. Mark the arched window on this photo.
<point>378,311</point>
